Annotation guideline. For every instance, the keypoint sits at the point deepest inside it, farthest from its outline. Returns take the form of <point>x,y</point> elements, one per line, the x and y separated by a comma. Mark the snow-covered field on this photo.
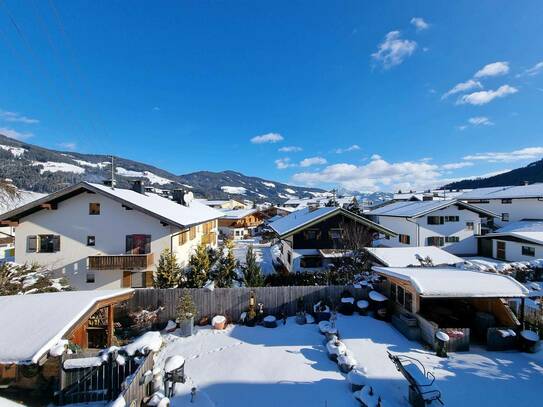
<point>263,253</point>
<point>244,366</point>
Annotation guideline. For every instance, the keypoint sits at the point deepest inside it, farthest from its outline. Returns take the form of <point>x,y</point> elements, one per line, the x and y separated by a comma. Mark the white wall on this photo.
<point>513,250</point>
<point>519,209</point>
<point>73,223</point>
<point>419,230</point>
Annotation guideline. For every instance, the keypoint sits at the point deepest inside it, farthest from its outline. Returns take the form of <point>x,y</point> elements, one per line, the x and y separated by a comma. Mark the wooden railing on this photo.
<point>121,262</point>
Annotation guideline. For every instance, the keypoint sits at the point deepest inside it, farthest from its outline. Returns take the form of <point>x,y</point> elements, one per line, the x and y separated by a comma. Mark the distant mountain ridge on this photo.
<point>531,173</point>
<point>39,169</point>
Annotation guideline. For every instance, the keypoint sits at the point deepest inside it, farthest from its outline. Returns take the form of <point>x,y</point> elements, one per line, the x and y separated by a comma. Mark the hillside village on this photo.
<point>148,274</point>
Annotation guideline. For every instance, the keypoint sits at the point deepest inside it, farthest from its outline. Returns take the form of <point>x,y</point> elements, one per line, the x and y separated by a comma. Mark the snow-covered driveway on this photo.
<point>263,253</point>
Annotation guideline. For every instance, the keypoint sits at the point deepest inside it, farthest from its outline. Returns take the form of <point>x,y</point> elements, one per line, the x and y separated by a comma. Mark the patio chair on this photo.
<point>422,388</point>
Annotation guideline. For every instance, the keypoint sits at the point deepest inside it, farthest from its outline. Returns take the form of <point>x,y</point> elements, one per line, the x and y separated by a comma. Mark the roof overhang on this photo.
<point>328,215</point>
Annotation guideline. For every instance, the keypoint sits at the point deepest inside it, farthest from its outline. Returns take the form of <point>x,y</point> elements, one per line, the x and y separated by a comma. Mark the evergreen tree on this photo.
<point>252,274</point>
<point>186,308</point>
<point>226,267</point>
<point>198,270</point>
<point>168,271</point>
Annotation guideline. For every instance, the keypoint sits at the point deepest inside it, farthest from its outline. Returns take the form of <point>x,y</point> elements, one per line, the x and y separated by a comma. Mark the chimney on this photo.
<point>108,183</point>
<point>182,197</point>
<point>525,183</point>
<point>138,186</point>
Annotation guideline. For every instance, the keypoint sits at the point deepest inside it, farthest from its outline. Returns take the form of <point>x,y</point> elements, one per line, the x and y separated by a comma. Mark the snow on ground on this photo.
<point>84,163</point>
<point>153,178</point>
<point>53,166</point>
<point>288,365</point>
<point>290,190</point>
<point>234,190</point>
<point>262,251</point>
<point>269,184</point>
<point>15,151</point>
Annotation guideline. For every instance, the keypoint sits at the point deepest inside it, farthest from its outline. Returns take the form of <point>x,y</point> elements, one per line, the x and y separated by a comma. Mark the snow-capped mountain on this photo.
<point>39,169</point>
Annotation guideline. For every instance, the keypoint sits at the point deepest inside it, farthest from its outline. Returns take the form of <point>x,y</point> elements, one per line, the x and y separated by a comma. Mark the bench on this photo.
<point>422,388</point>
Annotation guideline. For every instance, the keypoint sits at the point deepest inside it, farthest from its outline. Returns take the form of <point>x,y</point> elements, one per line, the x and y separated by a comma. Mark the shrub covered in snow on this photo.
<point>143,320</point>
<point>29,279</point>
<point>520,270</point>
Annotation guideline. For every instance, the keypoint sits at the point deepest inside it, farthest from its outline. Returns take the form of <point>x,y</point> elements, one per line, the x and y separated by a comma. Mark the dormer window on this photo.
<point>94,208</point>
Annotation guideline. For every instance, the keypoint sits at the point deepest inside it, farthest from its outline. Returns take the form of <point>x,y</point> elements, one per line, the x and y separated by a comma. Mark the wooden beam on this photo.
<point>9,223</point>
<point>49,206</point>
<point>110,325</point>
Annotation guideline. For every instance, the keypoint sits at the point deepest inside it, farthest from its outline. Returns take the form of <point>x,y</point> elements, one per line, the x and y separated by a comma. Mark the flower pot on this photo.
<point>270,322</point>
<point>186,327</point>
<point>218,322</point>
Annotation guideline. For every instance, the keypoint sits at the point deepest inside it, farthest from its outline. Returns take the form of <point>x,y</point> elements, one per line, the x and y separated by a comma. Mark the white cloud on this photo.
<point>462,87</point>
<point>290,149</point>
<point>529,153</point>
<point>68,145</point>
<point>534,70</point>
<point>376,175</point>
<point>267,138</point>
<point>354,147</point>
<point>485,96</point>
<point>15,117</point>
<point>283,163</point>
<point>480,121</point>
<point>419,23</point>
<point>15,134</point>
<point>308,162</point>
<point>456,166</point>
<point>394,50</point>
<point>156,108</point>
<point>375,157</point>
<point>493,69</point>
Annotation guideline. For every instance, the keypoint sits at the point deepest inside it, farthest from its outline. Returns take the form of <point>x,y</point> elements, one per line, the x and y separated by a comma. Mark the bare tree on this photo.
<point>9,193</point>
<point>355,238</point>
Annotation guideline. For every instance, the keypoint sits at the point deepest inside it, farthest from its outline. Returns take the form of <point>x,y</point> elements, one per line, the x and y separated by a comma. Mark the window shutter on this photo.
<point>56,243</point>
<point>31,244</point>
<point>147,244</point>
<point>129,245</point>
<point>148,279</point>
<point>126,279</point>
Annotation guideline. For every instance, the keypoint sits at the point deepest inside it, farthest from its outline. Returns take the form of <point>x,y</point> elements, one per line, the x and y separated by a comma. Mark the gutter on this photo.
<point>418,229</point>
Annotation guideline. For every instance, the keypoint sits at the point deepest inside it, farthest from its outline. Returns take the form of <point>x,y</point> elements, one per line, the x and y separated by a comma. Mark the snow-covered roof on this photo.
<point>530,230</point>
<point>32,324</point>
<point>408,256</point>
<point>237,213</point>
<point>307,216</point>
<point>415,209</point>
<point>154,205</point>
<point>507,192</point>
<point>456,283</point>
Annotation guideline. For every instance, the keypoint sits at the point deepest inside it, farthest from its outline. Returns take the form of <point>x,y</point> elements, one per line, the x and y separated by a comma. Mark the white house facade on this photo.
<point>450,224</point>
<point>510,203</point>
<point>104,238</point>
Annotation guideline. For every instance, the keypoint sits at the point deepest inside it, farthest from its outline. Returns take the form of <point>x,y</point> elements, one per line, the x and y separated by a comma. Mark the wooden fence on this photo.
<point>231,302</point>
<point>139,388</point>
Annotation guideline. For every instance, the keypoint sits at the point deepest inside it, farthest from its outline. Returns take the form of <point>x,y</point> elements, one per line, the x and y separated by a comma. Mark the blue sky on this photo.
<point>363,93</point>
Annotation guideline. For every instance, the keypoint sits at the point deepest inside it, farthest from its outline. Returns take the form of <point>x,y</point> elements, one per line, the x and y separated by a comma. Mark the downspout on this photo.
<point>418,229</point>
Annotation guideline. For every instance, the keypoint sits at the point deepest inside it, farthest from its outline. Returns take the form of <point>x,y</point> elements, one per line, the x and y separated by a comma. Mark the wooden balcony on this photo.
<point>121,262</point>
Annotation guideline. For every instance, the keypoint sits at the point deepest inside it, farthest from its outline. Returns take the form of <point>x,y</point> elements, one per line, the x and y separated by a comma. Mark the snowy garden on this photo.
<point>248,366</point>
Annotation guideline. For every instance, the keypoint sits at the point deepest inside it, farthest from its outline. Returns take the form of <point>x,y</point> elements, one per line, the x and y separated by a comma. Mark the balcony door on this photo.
<point>138,244</point>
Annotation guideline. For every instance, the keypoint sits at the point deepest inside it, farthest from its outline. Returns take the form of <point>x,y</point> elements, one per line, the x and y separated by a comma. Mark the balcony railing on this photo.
<point>121,262</point>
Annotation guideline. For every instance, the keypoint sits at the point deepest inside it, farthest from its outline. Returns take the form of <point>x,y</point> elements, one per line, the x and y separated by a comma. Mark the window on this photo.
<point>507,201</point>
<point>452,218</point>
<point>500,250</point>
<point>43,244</point>
<point>470,226</point>
<point>505,217</point>
<point>94,208</point>
<point>138,244</point>
<point>528,251</point>
<point>91,240</point>
<point>405,239</point>
<point>312,234</point>
<point>137,280</point>
<point>311,262</point>
<point>435,220</point>
<point>335,234</point>
<point>436,241</point>
<point>192,233</point>
<point>452,239</point>
<point>90,278</point>
<point>183,237</point>
<point>408,304</point>
<point>393,288</point>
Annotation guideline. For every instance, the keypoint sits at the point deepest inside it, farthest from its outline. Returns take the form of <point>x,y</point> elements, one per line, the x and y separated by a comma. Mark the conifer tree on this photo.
<point>168,271</point>
<point>198,270</point>
<point>252,274</point>
<point>226,267</point>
